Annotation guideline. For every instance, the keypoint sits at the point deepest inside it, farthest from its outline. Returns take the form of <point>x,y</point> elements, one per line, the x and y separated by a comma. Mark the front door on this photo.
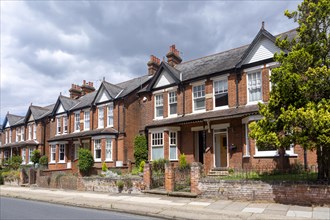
<point>220,153</point>
<point>199,146</point>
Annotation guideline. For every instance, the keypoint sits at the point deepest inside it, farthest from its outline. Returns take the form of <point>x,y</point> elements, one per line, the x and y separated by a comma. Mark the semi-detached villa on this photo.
<point>201,108</point>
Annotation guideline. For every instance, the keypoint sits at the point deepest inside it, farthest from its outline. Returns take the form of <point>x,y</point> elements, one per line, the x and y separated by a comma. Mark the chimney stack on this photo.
<point>87,88</point>
<point>75,91</point>
<point>153,65</point>
<point>173,56</point>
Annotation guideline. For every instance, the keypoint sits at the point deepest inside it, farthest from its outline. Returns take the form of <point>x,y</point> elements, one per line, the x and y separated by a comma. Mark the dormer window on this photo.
<point>159,106</point>
<point>101,117</point>
<point>58,125</point>
<point>173,103</point>
<point>199,97</point>
<point>220,93</point>
<point>254,86</point>
<point>110,115</point>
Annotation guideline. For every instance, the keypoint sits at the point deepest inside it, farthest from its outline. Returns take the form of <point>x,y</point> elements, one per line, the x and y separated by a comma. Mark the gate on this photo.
<point>182,179</point>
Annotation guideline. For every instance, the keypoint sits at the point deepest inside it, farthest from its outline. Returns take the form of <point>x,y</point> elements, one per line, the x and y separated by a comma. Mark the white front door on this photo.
<point>220,149</point>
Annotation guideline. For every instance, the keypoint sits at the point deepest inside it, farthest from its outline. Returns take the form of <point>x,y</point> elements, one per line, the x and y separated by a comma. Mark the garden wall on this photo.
<point>280,192</point>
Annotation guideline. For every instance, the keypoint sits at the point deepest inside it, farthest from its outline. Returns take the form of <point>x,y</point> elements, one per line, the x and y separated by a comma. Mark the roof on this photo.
<point>21,144</point>
<point>221,114</point>
<point>39,112</point>
<point>112,89</point>
<point>67,102</point>
<point>131,85</point>
<point>101,131</point>
<point>14,119</point>
<point>85,101</point>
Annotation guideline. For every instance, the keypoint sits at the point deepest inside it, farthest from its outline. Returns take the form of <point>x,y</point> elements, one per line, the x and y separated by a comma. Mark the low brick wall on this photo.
<point>59,181</point>
<point>103,184</point>
<point>281,192</point>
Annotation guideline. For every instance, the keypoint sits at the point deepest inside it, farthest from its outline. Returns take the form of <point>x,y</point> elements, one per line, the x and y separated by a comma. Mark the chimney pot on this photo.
<point>173,56</point>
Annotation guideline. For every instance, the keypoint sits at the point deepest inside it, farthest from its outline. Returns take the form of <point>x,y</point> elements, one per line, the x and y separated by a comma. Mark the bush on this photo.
<point>104,167</point>
<point>158,166</point>
<point>35,156</point>
<point>43,160</point>
<point>140,149</point>
<point>15,162</point>
<point>86,160</point>
<point>11,175</point>
<point>183,162</point>
<point>141,167</point>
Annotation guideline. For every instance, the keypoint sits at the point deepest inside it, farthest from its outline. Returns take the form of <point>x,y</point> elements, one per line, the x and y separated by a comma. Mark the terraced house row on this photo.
<point>201,108</point>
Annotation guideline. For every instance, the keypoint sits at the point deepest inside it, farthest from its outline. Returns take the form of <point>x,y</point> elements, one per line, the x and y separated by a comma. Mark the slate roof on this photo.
<point>112,89</point>
<point>14,119</point>
<point>85,101</point>
<point>40,112</point>
<point>21,144</point>
<point>220,114</point>
<point>67,102</point>
<point>130,85</point>
<point>100,131</point>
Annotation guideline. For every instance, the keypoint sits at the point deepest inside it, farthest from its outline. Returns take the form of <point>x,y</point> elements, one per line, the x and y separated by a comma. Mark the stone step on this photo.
<point>24,185</point>
<point>218,173</point>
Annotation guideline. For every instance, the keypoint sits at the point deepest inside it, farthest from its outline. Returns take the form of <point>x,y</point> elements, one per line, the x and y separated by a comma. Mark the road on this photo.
<point>11,208</point>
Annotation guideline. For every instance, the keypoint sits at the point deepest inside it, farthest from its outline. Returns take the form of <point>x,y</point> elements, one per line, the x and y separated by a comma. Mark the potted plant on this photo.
<point>120,185</point>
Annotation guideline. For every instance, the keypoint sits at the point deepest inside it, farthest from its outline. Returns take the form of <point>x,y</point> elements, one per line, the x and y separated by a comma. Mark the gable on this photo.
<point>31,118</point>
<point>103,96</point>
<point>263,50</point>
<point>60,109</point>
<point>7,125</point>
<point>164,79</point>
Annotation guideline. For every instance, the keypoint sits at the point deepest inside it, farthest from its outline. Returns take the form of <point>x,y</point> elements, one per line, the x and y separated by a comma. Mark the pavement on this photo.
<point>167,207</point>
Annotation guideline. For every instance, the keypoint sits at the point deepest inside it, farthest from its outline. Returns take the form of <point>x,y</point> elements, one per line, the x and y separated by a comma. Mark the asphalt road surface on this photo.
<point>11,208</point>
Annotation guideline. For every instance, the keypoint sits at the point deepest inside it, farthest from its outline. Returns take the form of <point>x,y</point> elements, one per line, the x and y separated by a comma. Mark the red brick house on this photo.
<point>23,134</point>
<point>203,107</point>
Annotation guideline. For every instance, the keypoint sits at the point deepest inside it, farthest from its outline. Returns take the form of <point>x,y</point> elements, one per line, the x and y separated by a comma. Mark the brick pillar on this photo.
<point>147,175</point>
<point>32,176</point>
<point>129,165</point>
<point>169,177</point>
<point>195,175</point>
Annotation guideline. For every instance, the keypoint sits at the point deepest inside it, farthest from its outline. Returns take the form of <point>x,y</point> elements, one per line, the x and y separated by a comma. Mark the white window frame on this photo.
<point>29,132</point>
<point>58,125</point>
<point>34,131</point>
<point>22,133</point>
<point>195,98</point>
<point>6,137</point>
<point>30,155</point>
<point>215,81</point>
<point>65,124</point>
<point>100,123</point>
<point>110,115</point>
<point>247,86</point>
<point>108,147</point>
<point>18,134</point>
<point>86,120</point>
<point>10,136</point>
<point>23,155</point>
<point>171,101</point>
<point>60,152</point>
<point>172,144</point>
<point>97,146</point>
<point>52,153</point>
<point>247,142</point>
<point>157,141</point>
<point>77,121</point>
<point>159,103</point>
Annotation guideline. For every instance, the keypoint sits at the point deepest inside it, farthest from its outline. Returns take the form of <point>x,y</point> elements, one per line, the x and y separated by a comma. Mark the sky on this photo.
<point>48,45</point>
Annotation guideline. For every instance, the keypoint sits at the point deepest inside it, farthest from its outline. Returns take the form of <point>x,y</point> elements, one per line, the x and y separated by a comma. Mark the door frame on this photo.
<point>215,132</point>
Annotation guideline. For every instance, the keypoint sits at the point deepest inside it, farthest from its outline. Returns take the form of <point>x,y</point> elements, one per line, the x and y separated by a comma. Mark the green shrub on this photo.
<point>135,171</point>
<point>117,171</point>
<point>140,149</point>
<point>11,175</point>
<point>104,167</point>
<point>183,162</point>
<point>35,156</point>
<point>158,166</point>
<point>86,160</point>
<point>120,185</point>
<point>15,162</point>
<point>141,167</point>
<point>43,160</point>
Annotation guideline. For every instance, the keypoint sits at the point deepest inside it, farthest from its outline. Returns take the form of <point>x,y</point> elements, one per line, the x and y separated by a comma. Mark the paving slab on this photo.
<point>275,212</point>
<point>322,209</point>
<point>219,204</point>
<point>258,205</point>
<point>277,207</point>
<point>321,215</point>
<point>253,210</point>
<point>300,214</point>
<point>199,203</point>
<point>236,206</point>
<point>301,208</point>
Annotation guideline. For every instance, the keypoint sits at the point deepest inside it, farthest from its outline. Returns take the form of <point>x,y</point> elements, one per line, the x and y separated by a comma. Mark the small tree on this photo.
<point>15,162</point>
<point>86,160</point>
<point>43,160</point>
<point>183,162</point>
<point>35,156</point>
<point>140,149</point>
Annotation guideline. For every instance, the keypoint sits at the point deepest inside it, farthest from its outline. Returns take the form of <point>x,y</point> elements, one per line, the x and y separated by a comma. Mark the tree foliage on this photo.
<point>140,149</point>
<point>86,160</point>
<point>298,109</point>
<point>35,156</point>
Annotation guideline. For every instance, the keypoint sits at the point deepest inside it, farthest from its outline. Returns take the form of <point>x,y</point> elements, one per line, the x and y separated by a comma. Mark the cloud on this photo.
<point>48,45</point>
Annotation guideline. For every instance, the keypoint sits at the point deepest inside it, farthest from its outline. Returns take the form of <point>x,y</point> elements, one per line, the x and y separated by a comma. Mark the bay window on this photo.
<point>97,150</point>
<point>52,153</point>
<point>173,146</point>
<point>62,153</point>
<point>157,146</point>
<point>108,150</point>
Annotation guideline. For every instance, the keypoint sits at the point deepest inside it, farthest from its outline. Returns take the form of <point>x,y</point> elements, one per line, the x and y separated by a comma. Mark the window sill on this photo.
<point>61,162</point>
<point>198,111</point>
<point>291,155</point>
<point>246,156</point>
<point>97,160</point>
<point>52,162</point>
<point>254,102</point>
<point>265,155</point>
<point>220,108</point>
<point>108,160</point>
<point>174,160</point>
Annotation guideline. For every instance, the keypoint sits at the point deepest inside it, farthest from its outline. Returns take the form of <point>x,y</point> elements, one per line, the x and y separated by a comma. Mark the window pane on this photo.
<point>173,153</point>
<point>254,86</point>
<point>108,149</point>
<point>199,104</point>
<point>159,111</point>
<point>173,109</point>
<point>157,153</point>
<point>221,99</point>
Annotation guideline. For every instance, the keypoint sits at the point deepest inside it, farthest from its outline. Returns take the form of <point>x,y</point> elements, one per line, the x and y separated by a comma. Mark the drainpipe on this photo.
<point>44,136</point>
<point>183,100</point>
<point>236,82</point>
